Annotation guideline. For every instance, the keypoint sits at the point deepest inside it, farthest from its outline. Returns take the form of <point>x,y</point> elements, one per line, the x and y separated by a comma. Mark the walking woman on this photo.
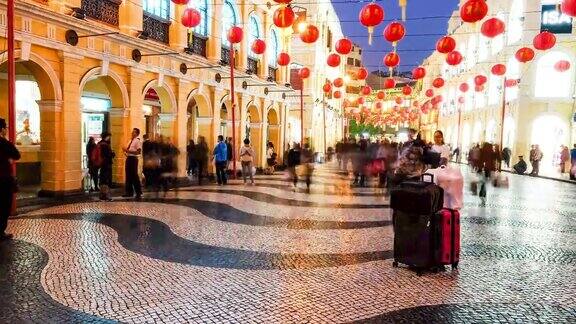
<point>107,156</point>
<point>8,185</point>
<point>247,155</point>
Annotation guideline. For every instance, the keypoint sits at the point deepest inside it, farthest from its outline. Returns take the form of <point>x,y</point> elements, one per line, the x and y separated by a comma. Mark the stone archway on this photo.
<point>160,108</point>
<point>104,103</point>
<point>38,119</point>
<point>199,117</point>
<point>273,131</point>
<point>253,130</point>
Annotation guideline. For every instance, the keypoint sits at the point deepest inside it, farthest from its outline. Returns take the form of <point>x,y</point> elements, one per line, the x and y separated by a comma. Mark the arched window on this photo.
<point>158,8</point>
<point>512,73</point>
<point>229,19</point>
<point>203,6</point>
<point>515,21</point>
<point>498,41</point>
<point>549,82</point>
<point>254,32</point>
<point>273,48</point>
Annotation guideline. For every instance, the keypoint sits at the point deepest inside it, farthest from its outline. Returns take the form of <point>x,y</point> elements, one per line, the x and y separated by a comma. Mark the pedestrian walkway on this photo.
<point>268,253</point>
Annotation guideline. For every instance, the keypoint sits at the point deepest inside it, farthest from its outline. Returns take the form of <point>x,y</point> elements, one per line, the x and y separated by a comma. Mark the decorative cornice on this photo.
<point>49,105</point>
<point>119,112</point>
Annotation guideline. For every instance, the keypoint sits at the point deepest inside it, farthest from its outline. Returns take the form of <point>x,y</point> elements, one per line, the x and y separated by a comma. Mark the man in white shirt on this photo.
<point>133,151</point>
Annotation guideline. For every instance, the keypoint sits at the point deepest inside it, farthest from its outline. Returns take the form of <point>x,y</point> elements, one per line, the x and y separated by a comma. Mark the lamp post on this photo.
<point>233,103</point>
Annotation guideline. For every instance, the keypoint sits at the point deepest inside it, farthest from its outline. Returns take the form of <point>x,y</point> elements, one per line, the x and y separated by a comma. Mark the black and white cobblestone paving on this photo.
<point>271,254</point>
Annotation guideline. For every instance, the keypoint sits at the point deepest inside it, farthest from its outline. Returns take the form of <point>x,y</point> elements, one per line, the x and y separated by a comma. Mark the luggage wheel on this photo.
<point>395,264</point>
<point>454,265</point>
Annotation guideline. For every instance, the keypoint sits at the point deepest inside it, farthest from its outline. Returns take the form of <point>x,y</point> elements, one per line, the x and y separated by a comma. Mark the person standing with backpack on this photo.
<point>220,156</point>
<point>8,184</point>
<point>105,160</point>
<point>94,161</point>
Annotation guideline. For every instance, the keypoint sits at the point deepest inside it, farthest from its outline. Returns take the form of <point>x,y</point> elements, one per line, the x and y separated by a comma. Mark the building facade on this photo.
<point>539,110</point>
<point>135,65</point>
<point>323,118</point>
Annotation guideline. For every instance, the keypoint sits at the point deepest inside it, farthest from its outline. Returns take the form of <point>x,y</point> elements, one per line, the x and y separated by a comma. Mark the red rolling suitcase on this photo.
<point>447,237</point>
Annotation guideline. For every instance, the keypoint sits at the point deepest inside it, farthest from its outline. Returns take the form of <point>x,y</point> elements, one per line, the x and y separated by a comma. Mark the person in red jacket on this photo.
<point>8,186</point>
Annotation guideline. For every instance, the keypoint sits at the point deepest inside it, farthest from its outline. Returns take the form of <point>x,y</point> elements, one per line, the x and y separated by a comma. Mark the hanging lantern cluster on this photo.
<point>338,82</point>
<point>429,93</point>
<point>454,58</point>
<point>283,17</point>
<point>380,95</point>
<point>407,90</point>
<point>446,45</point>
<point>304,73</point>
<point>362,74</point>
<point>258,46</point>
<point>498,69</point>
<point>337,94</point>
<point>464,87</point>
<point>327,88</point>
<point>562,66</point>
<point>389,83</point>
<point>480,80</point>
<point>438,83</point>
<point>568,7</point>
<point>310,34</point>
<point>235,35</point>
<point>366,90</point>
<point>333,60</point>
<point>394,32</point>
<point>191,18</point>
<point>283,59</point>
<point>418,73</point>
<point>392,60</point>
<point>371,16</point>
<point>525,55</point>
<point>544,41</point>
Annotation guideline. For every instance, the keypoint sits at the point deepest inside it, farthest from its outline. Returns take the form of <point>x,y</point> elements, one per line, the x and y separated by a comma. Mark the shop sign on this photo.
<point>95,125</point>
<point>554,21</point>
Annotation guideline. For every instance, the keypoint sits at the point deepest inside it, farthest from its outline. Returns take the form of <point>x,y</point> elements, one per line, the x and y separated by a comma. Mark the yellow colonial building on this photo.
<point>85,66</point>
<point>539,110</point>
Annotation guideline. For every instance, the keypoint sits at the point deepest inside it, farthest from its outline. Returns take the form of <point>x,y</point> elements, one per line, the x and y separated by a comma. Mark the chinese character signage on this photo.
<point>554,21</point>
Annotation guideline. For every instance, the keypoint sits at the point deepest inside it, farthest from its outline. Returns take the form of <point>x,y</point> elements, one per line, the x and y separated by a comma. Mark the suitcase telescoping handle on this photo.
<point>428,175</point>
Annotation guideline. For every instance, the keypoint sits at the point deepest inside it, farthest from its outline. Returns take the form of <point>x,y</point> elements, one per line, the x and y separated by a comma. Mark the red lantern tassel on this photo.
<point>403,4</point>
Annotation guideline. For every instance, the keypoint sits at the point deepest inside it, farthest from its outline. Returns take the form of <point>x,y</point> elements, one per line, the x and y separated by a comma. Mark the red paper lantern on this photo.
<point>568,7</point>
<point>544,41</point>
<point>366,90</point>
<point>480,80</point>
<point>283,17</point>
<point>371,16</point>
<point>429,93</point>
<point>479,88</point>
<point>235,35</point>
<point>407,90</point>
<point>464,87</point>
<point>446,45</point>
<point>327,87</point>
<point>283,59</point>
<point>389,83</point>
<point>454,58</point>
<point>378,105</point>
<point>399,100</point>
<point>283,1</point>
<point>499,69</point>
<point>180,2</point>
<point>438,83</point>
<point>362,74</point>
<point>258,46</point>
<point>525,54</point>
<point>191,18</point>
<point>418,73</point>
<point>511,83</point>
<point>360,100</point>
<point>473,11</point>
<point>338,82</point>
<point>562,66</point>
<point>310,34</point>
<point>333,60</point>
<point>344,46</point>
<point>380,95</point>
<point>304,73</point>
<point>493,27</point>
<point>337,94</point>
<point>391,60</point>
<point>461,100</point>
<point>394,32</point>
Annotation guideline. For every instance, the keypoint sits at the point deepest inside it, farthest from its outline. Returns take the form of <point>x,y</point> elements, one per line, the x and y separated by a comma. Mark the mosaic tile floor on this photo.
<point>271,254</point>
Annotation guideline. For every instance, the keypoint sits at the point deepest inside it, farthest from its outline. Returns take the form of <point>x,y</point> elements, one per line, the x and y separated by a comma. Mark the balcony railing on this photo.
<point>272,73</point>
<point>197,45</point>
<point>156,28</point>
<point>225,56</point>
<point>252,66</point>
<point>106,11</point>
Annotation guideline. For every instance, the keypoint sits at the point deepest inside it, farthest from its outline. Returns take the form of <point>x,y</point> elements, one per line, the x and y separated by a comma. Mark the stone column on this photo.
<point>51,145</point>
<point>131,17</point>
<point>119,128</point>
<point>135,87</point>
<point>215,41</point>
<point>178,33</point>
<point>181,135</point>
<point>70,166</point>
<point>256,142</point>
<point>244,47</point>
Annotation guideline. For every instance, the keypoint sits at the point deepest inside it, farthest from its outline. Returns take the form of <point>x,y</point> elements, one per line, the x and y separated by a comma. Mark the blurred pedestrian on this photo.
<point>307,161</point>
<point>535,158</point>
<point>201,157</point>
<point>107,156</point>
<point>293,162</point>
<point>441,147</point>
<point>521,166</point>
<point>220,157</point>
<point>270,158</point>
<point>229,152</point>
<point>564,158</point>
<point>247,156</point>
<point>573,163</point>
<point>506,156</point>
<point>93,163</point>
<point>8,185</point>
<point>191,166</point>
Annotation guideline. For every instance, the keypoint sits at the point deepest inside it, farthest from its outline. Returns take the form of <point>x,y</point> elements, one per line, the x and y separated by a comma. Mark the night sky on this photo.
<point>419,47</point>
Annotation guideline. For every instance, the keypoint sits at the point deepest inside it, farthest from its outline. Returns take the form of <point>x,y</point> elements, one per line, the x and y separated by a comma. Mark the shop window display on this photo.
<point>27,113</point>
